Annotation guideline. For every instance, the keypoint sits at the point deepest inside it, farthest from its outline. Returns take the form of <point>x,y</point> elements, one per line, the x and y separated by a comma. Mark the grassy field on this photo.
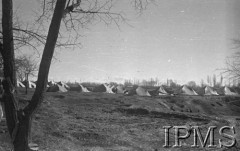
<point>75,121</point>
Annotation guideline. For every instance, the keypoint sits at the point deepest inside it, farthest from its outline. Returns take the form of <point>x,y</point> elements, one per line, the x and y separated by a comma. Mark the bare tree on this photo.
<point>76,13</point>
<point>221,80</point>
<point>209,80</point>
<point>25,67</point>
<point>232,69</point>
<point>19,120</point>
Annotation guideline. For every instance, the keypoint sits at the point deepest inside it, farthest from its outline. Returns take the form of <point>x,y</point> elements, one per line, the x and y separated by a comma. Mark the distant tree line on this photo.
<point>210,81</point>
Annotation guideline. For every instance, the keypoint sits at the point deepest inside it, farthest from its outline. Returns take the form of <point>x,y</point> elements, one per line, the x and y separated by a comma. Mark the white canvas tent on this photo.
<point>209,91</point>
<point>187,91</point>
<point>120,89</point>
<point>29,84</point>
<point>83,89</point>
<point>227,91</point>
<point>109,88</point>
<point>142,92</point>
<point>106,88</point>
<point>63,85</point>
<point>20,84</point>
<point>161,91</point>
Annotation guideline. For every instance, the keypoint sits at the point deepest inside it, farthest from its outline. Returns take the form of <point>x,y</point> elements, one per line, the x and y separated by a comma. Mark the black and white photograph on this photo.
<point>120,75</point>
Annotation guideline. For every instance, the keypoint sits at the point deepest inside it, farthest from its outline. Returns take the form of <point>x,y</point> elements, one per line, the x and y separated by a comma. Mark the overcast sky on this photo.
<point>182,40</point>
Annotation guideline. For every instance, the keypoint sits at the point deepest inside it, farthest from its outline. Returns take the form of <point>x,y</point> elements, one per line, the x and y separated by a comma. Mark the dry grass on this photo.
<point>75,121</point>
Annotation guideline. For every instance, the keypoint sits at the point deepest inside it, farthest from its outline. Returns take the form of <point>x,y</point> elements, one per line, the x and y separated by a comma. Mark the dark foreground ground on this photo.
<point>75,121</point>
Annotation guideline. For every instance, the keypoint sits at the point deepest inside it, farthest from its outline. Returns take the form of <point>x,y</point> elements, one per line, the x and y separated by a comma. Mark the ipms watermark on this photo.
<point>226,136</point>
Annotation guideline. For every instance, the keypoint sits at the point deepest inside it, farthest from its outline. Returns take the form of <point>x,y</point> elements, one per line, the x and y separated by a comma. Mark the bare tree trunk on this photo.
<point>8,46</point>
<point>46,58</point>
<point>26,87</point>
<point>7,51</point>
<point>19,121</point>
<point>25,123</point>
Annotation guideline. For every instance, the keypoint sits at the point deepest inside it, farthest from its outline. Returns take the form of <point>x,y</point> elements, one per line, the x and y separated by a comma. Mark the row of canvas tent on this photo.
<point>25,83</point>
<point>184,90</point>
<point>31,84</point>
<point>51,86</point>
<point>107,88</point>
<point>138,90</point>
<point>207,91</point>
<point>221,91</point>
<point>63,87</point>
